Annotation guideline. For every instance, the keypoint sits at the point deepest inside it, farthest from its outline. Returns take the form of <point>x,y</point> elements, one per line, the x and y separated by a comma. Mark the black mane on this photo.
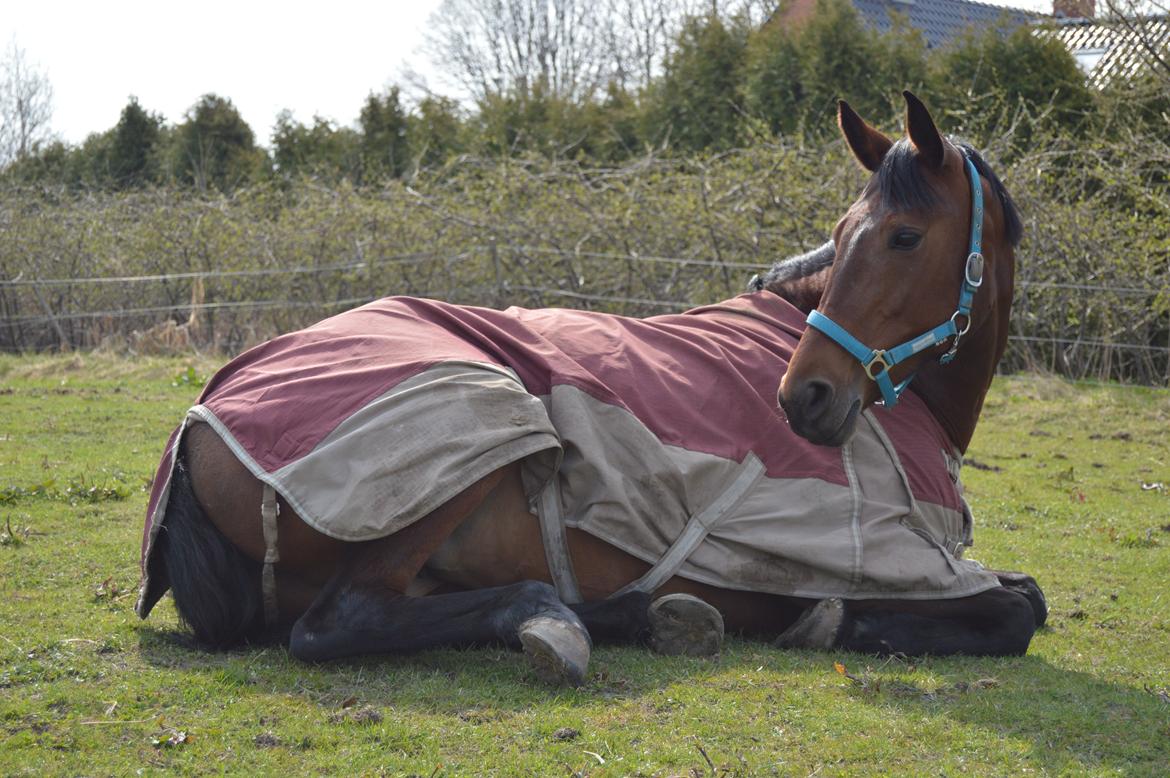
<point>793,268</point>
<point>1013,224</point>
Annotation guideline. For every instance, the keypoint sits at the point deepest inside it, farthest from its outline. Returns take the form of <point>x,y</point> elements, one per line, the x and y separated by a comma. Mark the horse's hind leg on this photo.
<point>997,622</point>
<point>349,620</point>
<point>364,609</point>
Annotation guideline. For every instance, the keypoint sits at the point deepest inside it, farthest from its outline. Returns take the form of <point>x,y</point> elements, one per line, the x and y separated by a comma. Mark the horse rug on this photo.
<point>660,436</point>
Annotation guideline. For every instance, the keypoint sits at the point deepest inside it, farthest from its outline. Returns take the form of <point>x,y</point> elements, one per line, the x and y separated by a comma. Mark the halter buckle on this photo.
<point>974,269</point>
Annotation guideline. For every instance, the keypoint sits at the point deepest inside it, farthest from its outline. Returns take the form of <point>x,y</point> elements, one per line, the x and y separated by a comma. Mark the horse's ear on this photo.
<point>866,143</point>
<point>923,134</point>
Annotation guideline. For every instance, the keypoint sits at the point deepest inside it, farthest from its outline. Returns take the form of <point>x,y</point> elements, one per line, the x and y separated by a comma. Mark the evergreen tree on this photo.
<point>134,146</point>
<point>322,150</point>
<point>435,131</point>
<point>615,125</point>
<point>994,80</point>
<point>696,104</point>
<point>215,148</point>
<point>774,82</point>
<point>383,124</point>
<point>794,77</point>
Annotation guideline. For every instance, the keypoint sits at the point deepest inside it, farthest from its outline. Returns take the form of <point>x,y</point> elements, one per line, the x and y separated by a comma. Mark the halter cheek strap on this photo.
<point>877,362</point>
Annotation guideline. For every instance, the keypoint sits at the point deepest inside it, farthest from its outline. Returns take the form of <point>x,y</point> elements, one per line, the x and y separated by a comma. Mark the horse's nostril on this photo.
<point>817,397</point>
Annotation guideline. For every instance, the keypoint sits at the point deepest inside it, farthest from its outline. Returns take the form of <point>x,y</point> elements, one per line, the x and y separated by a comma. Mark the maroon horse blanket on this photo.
<point>648,431</point>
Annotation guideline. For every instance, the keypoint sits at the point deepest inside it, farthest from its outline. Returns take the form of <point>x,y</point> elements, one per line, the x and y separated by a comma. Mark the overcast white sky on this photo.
<point>313,58</point>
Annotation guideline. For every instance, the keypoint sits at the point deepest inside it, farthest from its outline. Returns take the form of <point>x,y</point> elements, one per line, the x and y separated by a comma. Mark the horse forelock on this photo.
<point>902,186</point>
<point>900,182</point>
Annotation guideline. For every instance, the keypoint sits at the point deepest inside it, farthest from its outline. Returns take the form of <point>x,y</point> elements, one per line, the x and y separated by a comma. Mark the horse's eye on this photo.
<point>905,240</point>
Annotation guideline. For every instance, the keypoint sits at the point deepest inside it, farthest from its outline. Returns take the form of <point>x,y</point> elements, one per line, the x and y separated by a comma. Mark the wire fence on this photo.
<point>167,270</point>
<point>229,310</point>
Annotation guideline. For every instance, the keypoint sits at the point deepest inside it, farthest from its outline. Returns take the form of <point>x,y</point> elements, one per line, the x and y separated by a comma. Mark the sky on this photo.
<point>310,57</point>
<point>318,58</point>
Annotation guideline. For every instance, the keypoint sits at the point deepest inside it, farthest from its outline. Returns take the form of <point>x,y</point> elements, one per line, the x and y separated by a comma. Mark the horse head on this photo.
<point>923,274</point>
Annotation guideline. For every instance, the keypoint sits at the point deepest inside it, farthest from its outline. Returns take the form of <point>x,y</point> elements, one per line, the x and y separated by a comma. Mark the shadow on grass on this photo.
<point>1074,721</point>
<point>440,680</point>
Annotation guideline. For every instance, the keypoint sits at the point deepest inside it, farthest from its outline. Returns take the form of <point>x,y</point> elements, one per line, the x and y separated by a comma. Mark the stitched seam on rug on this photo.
<point>855,519</point>
<point>888,444</point>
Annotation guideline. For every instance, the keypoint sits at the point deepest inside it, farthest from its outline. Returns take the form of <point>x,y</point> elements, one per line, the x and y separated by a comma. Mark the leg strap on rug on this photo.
<point>697,529</point>
<point>269,510</point>
<point>556,545</point>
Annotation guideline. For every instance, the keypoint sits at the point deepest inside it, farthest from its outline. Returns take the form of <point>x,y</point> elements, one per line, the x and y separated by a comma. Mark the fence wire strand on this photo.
<point>503,290</point>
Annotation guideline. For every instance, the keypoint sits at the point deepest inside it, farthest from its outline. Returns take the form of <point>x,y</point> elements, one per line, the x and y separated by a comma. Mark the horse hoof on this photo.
<point>1027,586</point>
<point>682,625</point>
<point>557,649</point>
<point>816,628</point>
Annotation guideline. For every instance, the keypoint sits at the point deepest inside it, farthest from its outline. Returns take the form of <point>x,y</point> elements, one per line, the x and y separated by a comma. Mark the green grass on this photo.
<point>86,688</point>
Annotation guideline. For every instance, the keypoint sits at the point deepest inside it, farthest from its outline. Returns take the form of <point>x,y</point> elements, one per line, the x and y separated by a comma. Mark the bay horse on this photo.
<point>413,474</point>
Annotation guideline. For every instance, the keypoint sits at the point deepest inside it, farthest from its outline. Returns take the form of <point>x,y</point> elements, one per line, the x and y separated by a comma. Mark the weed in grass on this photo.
<point>874,683</point>
<point>80,489</point>
<point>189,378</point>
<point>170,738</point>
<point>1146,540</point>
<point>11,494</point>
<point>14,537</point>
<point>109,591</point>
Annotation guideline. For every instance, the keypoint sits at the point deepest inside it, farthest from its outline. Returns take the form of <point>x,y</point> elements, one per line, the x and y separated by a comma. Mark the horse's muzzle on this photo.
<point>818,412</point>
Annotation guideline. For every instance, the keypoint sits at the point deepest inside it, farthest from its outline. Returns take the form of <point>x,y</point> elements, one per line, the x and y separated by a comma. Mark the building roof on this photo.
<point>941,21</point>
<point>1109,50</point>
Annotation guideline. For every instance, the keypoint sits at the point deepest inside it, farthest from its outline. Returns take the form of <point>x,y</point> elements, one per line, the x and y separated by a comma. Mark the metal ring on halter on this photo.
<point>961,332</point>
<point>878,359</point>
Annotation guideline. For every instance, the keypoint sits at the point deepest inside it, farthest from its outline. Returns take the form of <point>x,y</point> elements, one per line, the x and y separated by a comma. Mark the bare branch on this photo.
<point>26,105</point>
<point>567,49</point>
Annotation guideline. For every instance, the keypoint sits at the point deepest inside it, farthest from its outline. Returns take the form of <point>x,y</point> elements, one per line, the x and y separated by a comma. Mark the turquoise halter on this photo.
<point>877,362</point>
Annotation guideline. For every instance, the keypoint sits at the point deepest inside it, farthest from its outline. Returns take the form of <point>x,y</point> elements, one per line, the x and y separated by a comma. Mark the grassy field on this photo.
<point>1070,483</point>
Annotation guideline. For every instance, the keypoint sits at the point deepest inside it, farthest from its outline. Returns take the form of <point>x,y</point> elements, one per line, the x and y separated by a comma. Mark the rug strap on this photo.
<point>698,528</point>
<point>556,545</point>
<point>269,510</point>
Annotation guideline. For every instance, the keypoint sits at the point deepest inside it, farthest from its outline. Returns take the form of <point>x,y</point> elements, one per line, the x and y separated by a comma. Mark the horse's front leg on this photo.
<point>1026,585</point>
<point>996,622</point>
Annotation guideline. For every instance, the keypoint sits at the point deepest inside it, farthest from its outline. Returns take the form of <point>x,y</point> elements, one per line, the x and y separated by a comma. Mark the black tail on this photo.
<point>216,588</point>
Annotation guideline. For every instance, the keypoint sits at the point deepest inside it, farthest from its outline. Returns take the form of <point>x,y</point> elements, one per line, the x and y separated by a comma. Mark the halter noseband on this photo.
<point>877,362</point>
